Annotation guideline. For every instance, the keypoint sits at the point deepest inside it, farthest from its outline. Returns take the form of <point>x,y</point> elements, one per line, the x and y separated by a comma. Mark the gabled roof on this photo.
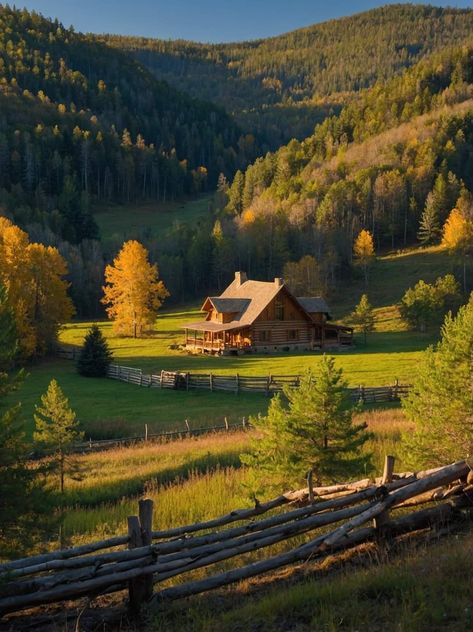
<point>247,299</point>
<point>314,304</point>
<point>227,305</point>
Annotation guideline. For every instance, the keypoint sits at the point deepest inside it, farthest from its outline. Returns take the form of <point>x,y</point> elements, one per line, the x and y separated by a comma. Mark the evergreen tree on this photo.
<point>363,316</point>
<point>429,227</point>
<point>440,403</point>
<point>95,356</point>
<point>22,497</point>
<point>57,429</point>
<point>314,432</point>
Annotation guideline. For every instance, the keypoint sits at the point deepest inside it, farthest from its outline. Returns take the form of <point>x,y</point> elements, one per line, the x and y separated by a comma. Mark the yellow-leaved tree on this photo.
<point>363,251</point>
<point>458,237</point>
<point>133,294</point>
<point>37,292</point>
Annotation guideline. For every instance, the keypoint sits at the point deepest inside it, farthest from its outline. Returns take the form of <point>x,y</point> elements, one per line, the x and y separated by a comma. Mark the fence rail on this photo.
<point>267,385</point>
<point>348,510</point>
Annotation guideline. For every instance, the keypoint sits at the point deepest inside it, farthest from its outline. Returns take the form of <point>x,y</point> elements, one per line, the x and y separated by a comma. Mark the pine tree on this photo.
<point>429,227</point>
<point>132,292</point>
<point>95,356</point>
<point>57,429</point>
<point>440,403</point>
<point>363,316</point>
<point>22,497</point>
<point>314,432</point>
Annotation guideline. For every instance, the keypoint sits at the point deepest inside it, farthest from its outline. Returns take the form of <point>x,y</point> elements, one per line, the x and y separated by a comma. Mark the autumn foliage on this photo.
<point>37,292</point>
<point>133,294</point>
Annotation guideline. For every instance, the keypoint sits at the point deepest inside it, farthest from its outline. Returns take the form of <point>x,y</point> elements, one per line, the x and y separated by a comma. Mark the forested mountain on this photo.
<point>399,148</point>
<point>280,87</point>
<point>80,121</point>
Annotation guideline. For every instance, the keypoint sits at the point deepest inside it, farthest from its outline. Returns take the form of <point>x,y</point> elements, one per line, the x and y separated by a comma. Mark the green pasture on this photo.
<point>120,222</point>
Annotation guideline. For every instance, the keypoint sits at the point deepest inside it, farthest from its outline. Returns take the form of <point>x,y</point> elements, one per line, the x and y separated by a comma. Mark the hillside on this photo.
<point>374,166</point>
<point>280,87</point>
<point>82,122</point>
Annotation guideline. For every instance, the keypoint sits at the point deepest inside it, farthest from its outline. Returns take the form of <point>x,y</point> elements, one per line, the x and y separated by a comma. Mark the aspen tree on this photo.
<point>133,294</point>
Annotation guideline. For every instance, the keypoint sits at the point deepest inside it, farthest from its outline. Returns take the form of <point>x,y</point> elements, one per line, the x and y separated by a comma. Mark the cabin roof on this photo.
<point>247,299</point>
<point>314,304</point>
<point>228,305</point>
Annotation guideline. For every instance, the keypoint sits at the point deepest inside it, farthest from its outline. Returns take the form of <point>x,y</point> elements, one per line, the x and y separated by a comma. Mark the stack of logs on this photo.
<point>361,511</point>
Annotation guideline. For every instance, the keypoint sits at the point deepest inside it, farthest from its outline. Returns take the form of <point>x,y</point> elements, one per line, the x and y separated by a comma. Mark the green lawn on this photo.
<point>389,355</point>
<point>108,408</point>
<point>118,222</point>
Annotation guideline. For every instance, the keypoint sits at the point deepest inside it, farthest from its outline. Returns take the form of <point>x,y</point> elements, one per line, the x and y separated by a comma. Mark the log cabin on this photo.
<point>256,316</point>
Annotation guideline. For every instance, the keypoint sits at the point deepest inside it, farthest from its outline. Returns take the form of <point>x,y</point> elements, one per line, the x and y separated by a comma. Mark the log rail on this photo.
<point>340,517</point>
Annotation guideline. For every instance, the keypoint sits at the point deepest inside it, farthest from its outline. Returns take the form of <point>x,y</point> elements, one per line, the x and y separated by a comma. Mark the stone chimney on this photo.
<point>278,281</point>
<point>240,278</point>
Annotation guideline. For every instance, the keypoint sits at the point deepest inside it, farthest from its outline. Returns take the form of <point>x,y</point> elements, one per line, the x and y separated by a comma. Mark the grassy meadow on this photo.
<point>112,409</point>
<point>120,222</point>
<point>192,479</point>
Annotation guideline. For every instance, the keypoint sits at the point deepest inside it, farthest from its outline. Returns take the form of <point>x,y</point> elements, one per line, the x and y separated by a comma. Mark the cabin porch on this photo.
<point>213,339</point>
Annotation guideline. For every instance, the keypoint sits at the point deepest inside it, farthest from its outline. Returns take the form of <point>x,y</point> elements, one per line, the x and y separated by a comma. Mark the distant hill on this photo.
<point>394,150</point>
<point>280,87</point>
<point>80,121</point>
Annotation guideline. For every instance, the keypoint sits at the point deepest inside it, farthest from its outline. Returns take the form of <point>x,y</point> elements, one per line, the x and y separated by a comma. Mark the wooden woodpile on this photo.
<point>340,517</point>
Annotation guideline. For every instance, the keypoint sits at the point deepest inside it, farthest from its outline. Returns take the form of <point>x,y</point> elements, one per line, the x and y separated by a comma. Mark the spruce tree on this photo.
<point>363,316</point>
<point>22,497</point>
<point>440,403</point>
<point>429,227</point>
<point>95,356</point>
<point>57,429</point>
<point>312,432</point>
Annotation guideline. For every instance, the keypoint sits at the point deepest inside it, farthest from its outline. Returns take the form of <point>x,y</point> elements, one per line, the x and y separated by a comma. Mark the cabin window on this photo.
<point>264,335</point>
<point>279,310</point>
<point>292,334</point>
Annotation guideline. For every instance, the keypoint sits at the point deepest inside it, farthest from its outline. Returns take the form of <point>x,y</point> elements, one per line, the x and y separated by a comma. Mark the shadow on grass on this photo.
<point>111,491</point>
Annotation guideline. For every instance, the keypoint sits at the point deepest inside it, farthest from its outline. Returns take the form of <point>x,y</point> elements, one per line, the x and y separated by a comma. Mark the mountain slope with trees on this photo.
<point>397,150</point>
<point>280,87</point>
<point>80,121</point>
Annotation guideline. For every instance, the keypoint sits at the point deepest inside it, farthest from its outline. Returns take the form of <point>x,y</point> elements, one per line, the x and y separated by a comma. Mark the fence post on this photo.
<point>187,381</point>
<point>237,383</point>
<point>226,423</point>
<point>211,382</point>
<point>187,426</point>
<point>268,384</point>
<point>146,432</point>
<point>161,379</point>
<point>380,521</point>
<point>140,534</point>
<point>243,423</point>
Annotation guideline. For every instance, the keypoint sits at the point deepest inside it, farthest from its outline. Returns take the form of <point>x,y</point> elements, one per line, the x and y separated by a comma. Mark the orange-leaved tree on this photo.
<point>363,251</point>
<point>458,237</point>
<point>37,292</point>
<point>133,294</point>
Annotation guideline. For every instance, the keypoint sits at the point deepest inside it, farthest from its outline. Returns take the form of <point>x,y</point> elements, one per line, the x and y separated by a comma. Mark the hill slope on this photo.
<point>80,120</point>
<point>264,82</point>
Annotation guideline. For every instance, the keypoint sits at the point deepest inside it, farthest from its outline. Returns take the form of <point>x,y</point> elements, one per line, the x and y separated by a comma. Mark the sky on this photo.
<point>202,20</point>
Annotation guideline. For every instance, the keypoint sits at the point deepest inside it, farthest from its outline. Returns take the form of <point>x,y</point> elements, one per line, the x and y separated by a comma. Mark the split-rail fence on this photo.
<point>267,385</point>
<point>335,518</point>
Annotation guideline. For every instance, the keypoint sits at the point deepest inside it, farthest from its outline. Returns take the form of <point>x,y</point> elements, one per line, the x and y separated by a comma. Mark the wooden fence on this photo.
<point>267,385</point>
<point>354,513</point>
